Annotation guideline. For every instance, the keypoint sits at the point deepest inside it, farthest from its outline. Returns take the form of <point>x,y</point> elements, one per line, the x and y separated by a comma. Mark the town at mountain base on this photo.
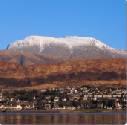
<point>97,72</point>
<point>73,74</point>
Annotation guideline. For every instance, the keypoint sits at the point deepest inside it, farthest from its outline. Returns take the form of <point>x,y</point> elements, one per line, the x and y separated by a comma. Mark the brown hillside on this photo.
<point>74,72</point>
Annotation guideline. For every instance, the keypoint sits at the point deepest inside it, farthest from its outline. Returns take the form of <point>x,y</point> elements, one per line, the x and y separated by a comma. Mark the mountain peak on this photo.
<point>64,48</point>
<point>69,41</point>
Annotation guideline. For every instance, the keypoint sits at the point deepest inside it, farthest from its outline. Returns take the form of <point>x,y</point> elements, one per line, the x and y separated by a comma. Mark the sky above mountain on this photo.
<point>102,19</point>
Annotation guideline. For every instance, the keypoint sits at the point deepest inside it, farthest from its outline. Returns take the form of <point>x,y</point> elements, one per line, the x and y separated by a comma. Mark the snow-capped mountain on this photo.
<point>72,61</point>
<point>72,47</point>
<point>69,42</point>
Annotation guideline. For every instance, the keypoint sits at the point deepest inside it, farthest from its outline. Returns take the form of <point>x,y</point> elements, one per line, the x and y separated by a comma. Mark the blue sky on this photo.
<point>102,19</point>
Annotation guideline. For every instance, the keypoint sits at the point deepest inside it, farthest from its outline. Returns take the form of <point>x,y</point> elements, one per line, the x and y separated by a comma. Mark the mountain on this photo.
<point>47,50</point>
<point>45,62</point>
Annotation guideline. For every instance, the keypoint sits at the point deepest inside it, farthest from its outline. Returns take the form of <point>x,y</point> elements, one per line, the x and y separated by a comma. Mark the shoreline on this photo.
<point>64,111</point>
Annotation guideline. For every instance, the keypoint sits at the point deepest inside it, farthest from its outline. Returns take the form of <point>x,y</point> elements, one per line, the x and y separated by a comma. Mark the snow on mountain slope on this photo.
<point>71,41</point>
<point>67,48</point>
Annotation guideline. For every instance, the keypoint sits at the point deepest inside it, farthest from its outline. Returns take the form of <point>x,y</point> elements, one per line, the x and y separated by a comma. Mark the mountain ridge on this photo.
<point>69,40</point>
<point>56,50</point>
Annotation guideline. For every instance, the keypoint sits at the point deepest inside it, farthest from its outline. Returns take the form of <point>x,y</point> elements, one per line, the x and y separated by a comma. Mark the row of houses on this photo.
<point>69,98</point>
